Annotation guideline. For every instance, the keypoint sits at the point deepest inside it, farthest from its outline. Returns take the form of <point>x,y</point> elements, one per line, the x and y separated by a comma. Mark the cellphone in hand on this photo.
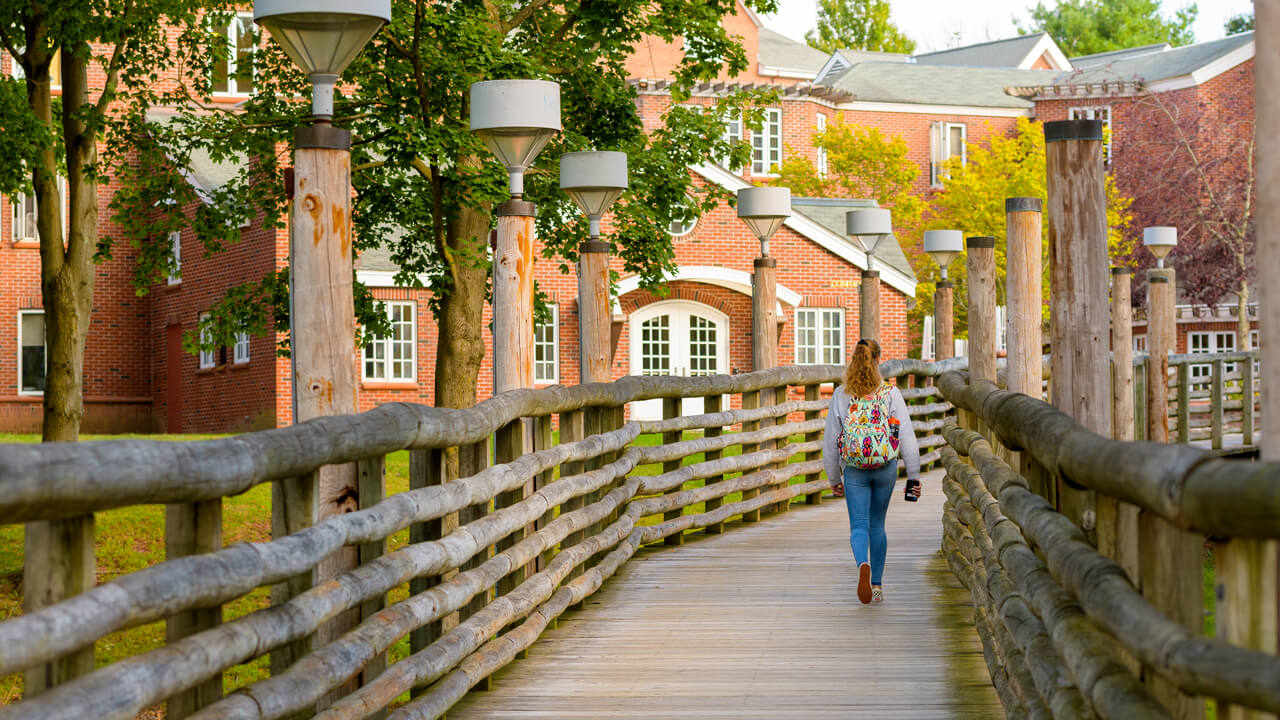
<point>908,494</point>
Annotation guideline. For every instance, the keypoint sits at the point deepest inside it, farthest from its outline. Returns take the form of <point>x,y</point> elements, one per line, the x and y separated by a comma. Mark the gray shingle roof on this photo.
<point>938,84</point>
<point>376,258</point>
<point>206,174</point>
<point>779,51</point>
<point>829,213</point>
<point>1155,66</point>
<point>1103,58</point>
<point>1008,53</point>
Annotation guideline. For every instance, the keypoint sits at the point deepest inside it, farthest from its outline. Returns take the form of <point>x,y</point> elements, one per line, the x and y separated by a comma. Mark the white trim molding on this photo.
<point>870,106</point>
<point>385,279</point>
<point>1056,56</point>
<point>728,278</point>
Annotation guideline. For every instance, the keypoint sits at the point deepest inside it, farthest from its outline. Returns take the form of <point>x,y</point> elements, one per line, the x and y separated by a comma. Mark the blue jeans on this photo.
<point>867,494</point>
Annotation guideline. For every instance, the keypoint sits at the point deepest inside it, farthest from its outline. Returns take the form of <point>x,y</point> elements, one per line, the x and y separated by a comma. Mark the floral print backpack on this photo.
<point>870,437</point>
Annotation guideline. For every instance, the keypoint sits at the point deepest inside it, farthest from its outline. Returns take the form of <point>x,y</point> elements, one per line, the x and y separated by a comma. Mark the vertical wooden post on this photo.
<point>750,401</point>
<point>981,260</point>
<point>594,321</point>
<point>1184,403</point>
<point>192,529</point>
<point>1215,405</point>
<point>1025,299</point>
<point>671,409</point>
<point>711,404</point>
<point>1247,389</point>
<point>1248,610</point>
<point>1140,400</point>
<point>293,508</point>
<point>58,562</point>
<point>1118,536</point>
<point>323,320</point>
<point>811,394</point>
<point>427,469</point>
<point>509,445</point>
<point>372,477</point>
<point>542,441</point>
<point>513,297</point>
<point>471,460</point>
<point>944,320</point>
<point>764,314</point>
<point>869,306</point>
<point>1078,279</point>
<point>572,429</point>
<point>1160,344</point>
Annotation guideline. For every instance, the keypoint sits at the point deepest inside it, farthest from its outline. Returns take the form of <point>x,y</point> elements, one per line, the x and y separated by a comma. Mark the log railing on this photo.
<point>1101,614</point>
<point>508,529</point>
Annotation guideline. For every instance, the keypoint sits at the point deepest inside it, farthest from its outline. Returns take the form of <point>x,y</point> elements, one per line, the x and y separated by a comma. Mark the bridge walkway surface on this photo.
<point>763,622</point>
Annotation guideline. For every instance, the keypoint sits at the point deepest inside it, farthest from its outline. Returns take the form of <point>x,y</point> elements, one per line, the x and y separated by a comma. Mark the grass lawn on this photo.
<point>130,539</point>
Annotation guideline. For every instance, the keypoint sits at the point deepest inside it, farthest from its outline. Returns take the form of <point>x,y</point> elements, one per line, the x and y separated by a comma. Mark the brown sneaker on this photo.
<point>864,583</point>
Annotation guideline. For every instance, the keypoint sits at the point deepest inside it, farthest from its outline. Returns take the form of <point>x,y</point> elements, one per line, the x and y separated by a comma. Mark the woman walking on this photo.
<point>868,428</point>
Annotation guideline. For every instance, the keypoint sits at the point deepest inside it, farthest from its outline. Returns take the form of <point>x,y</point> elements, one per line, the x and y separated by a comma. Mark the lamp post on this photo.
<point>943,246</point>
<point>593,180</point>
<point>1161,285</point>
<point>515,119</point>
<point>764,209</point>
<point>321,37</point>
<point>868,227</point>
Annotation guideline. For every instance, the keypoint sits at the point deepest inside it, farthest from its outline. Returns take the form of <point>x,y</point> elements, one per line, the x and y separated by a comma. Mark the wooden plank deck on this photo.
<point>762,622</point>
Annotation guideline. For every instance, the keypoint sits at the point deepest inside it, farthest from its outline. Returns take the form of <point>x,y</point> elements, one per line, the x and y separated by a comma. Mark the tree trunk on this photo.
<point>460,343</point>
<point>1242,318</point>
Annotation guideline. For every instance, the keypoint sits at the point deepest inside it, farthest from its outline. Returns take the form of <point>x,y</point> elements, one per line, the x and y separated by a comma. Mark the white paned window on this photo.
<point>31,352</point>
<point>822,151</point>
<point>655,346</point>
<point>703,345</point>
<point>175,247</point>
<point>24,213</point>
<point>732,135</point>
<point>546,349</point>
<point>766,144</point>
<point>241,353</point>
<point>1139,343</point>
<point>819,336</point>
<point>1202,343</point>
<point>1253,345</point>
<point>239,34</point>
<point>209,356</point>
<point>946,141</point>
<point>1002,329</point>
<point>685,221</point>
<point>1096,112</point>
<point>394,358</point>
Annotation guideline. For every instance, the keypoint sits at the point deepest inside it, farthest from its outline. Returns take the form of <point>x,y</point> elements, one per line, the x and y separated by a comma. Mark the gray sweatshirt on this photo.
<point>838,412</point>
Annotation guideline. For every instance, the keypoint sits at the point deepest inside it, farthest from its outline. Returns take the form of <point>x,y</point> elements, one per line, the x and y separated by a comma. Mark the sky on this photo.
<point>956,22</point>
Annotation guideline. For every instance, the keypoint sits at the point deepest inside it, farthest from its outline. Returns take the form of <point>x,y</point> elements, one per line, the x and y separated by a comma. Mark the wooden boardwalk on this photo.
<point>762,622</point>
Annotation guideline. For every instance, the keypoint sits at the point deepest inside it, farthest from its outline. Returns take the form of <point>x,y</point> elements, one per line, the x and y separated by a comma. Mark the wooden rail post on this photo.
<point>427,469</point>
<point>293,508</point>
<point>944,320</point>
<point>594,320</point>
<point>981,260</point>
<point>372,478</point>
<point>811,393</point>
<point>869,305</point>
<point>1184,403</point>
<point>1248,386</point>
<point>764,328</point>
<point>1248,607</point>
<point>1216,399</point>
<point>1118,534</point>
<point>323,320</point>
<point>671,409</point>
<point>1078,279</point>
<point>1025,299</point>
<point>1140,400</point>
<point>750,401</point>
<point>1160,344</point>
<point>192,529</point>
<point>711,404</point>
<point>58,562</point>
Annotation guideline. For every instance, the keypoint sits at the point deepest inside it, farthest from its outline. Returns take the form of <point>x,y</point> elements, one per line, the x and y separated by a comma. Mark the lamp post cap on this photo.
<point>322,36</point>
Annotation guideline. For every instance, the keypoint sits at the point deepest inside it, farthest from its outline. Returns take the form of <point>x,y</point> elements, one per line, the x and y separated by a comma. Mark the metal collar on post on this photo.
<point>1060,130</point>
<point>592,246</point>
<point>516,208</point>
<point>870,273</point>
<point>945,284</point>
<point>766,262</point>
<point>1157,278</point>
<point>981,241</point>
<point>323,136</point>
<point>1023,204</point>
<point>1121,271</point>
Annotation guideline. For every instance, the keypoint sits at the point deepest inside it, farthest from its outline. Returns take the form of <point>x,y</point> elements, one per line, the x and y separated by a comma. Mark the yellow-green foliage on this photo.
<point>972,200</point>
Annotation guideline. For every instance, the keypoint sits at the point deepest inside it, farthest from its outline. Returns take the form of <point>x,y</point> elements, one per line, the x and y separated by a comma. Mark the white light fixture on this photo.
<point>943,246</point>
<point>868,227</point>
<point>515,119</point>
<point>764,209</point>
<point>322,37</point>
<point>1160,240</point>
<point>593,180</point>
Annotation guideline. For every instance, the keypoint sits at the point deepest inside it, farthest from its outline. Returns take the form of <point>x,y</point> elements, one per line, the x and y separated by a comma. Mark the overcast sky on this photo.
<point>935,24</point>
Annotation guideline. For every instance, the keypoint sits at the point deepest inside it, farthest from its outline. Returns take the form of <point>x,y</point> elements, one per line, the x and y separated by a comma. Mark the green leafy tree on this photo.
<point>972,200</point>
<point>1085,27</point>
<point>857,24</point>
<point>425,185</point>
<point>122,44</point>
<point>862,164</point>
<point>1237,24</point>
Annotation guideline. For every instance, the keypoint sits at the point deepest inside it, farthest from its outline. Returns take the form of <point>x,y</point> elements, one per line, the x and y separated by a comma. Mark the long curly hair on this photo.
<point>862,377</point>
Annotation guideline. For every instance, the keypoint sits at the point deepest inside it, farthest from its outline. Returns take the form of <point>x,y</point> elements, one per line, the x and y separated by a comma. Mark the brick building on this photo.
<point>139,379</point>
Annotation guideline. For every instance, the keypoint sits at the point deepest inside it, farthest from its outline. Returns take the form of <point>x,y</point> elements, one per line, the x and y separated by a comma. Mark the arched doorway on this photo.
<point>677,337</point>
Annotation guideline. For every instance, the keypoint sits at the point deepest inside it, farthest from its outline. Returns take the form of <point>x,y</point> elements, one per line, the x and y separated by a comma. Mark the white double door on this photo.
<point>677,337</point>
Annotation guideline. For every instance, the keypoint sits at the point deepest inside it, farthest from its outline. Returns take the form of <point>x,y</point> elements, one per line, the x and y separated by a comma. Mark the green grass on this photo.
<point>131,539</point>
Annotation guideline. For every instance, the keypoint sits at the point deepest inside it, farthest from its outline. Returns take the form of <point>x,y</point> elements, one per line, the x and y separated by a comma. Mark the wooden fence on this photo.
<point>1085,559</point>
<point>1211,407</point>
<point>508,529</point>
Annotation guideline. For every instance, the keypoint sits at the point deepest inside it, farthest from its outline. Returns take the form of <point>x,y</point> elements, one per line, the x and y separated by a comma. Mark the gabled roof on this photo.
<point>1085,61</point>
<point>1159,70</point>
<point>1020,53</point>
<point>830,213</point>
<point>780,55</point>
<point>842,60</point>
<point>937,84</point>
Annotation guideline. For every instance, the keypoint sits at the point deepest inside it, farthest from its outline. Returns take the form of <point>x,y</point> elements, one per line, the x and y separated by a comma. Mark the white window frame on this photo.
<point>1212,345</point>
<point>1092,112</point>
<point>1139,343</point>
<point>822,151</point>
<point>820,328</point>
<point>387,361</point>
<point>689,227</point>
<point>240,354</point>
<point>21,315</point>
<point>765,143</point>
<point>18,200</point>
<point>940,150</point>
<point>732,134</point>
<point>208,358</point>
<point>175,247</point>
<point>928,338</point>
<point>554,344</point>
<point>233,56</point>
